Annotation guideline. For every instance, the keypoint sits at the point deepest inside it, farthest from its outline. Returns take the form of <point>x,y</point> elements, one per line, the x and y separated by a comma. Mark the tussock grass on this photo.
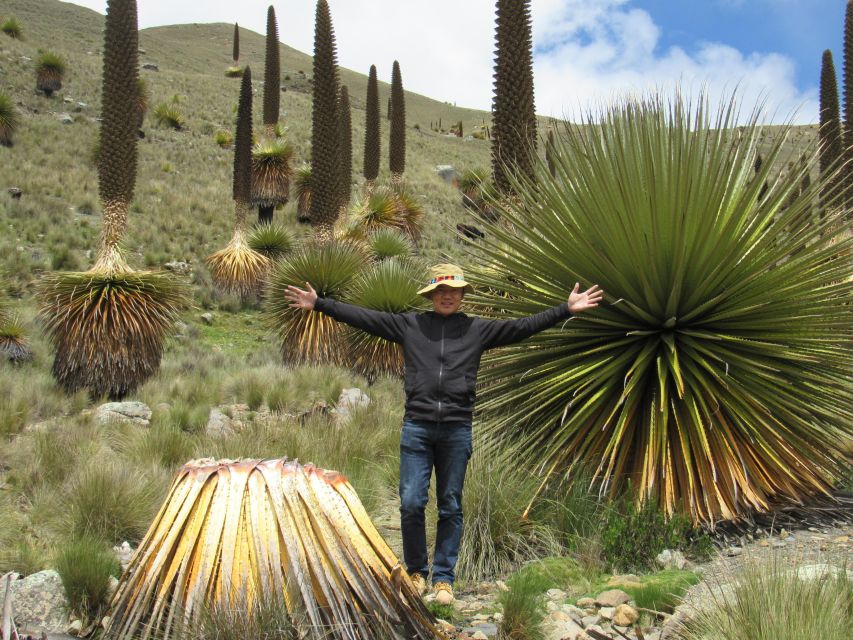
<point>114,501</point>
<point>768,601</point>
<point>223,138</point>
<point>266,618</point>
<point>85,566</point>
<point>523,609</point>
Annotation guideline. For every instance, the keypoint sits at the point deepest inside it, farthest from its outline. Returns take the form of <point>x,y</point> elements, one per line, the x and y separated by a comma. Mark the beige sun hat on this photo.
<point>448,274</point>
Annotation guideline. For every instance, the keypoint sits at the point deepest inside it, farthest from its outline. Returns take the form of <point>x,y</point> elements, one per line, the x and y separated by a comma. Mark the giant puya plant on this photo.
<point>272,158</point>
<point>238,268</point>
<point>714,380</point>
<point>108,324</point>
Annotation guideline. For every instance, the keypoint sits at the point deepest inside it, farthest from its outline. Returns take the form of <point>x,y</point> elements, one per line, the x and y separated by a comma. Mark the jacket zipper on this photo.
<point>440,370</point>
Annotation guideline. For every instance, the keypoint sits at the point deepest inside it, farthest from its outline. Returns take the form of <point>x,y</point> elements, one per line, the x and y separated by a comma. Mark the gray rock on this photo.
<point>65,118</point>
<point>556,594</point>
<point>79,106</point>
<point>668,559</point>
<point>561,630</point>
<point>586,603</point>
<point>181,329</point>
<point>178,267</point>
<point>124,552</point>
<point>150,66</point>
<point>447,173</point>
<point>207,318</point>
<point>487,629</point>
<point>15,192</point>
<point>350,400</point>
<point>612,598</point>
<point>75,628</point>
<point>218,424</point>
<point>821,571</point>
<point>135,412</point>
<point>734,551</point>
<point>607,612</point>
<point>39,603</point>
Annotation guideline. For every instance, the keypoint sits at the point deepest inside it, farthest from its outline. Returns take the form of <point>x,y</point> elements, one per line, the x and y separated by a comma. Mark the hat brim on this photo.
<point>456,284</point>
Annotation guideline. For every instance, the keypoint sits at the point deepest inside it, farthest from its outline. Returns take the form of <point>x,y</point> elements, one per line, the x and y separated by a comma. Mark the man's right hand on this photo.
<point>300,298</point>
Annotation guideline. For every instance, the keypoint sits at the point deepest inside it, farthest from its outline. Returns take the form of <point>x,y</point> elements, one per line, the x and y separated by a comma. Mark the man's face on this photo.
<point>446,300</point>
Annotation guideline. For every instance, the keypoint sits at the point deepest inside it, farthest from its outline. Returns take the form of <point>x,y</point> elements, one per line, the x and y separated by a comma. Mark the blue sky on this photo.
<point>587,52</point>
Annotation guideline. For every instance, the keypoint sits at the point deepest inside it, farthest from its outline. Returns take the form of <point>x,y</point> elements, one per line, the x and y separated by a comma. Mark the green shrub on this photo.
<point>563,573</point>
<point>85,566</point>
<point>12,28</point>
<point>661,591</point>
<point>168,114</point>
<point>523,608</point>
<point>768,600</point>
<point>633,536</point>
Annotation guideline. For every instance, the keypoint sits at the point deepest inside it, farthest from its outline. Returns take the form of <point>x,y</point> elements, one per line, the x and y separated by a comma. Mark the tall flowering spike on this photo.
<point>242,182</point>
<point>119,94</point>
<point>848,106</point>
<point>235,54</point>
<point>371,128</point>
<point>345,142</point>
<point>325,168</point>
<point>272,75</point>
<point>397,148</point>
<point>831,148</point>
<point>513,108</point>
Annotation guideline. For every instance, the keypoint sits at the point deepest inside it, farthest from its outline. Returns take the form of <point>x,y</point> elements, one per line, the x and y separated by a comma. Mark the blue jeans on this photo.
<point>447,447</point>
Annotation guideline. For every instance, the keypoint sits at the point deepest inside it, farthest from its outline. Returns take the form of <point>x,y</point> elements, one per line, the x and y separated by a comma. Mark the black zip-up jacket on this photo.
<point>442,354</point>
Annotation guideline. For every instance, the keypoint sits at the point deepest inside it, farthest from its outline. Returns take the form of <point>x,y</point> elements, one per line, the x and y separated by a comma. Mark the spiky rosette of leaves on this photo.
<point>272,73</point>
<point>108,329</point>
<point>12,28</point>
<point>170,115</point>
<point>13,342</point>
<point>8,120</point>
<point>271,173</point>
<point>410,213</point>
<point>390,243</point>
<point>478,192</point>
<point>715,375</point>
<point>50,69</point>
<point>302,192</point>
<point>390,285</point>
<point>513,108</point>
<point>376,211</point>
<point>397,144</point>
<point>238,268</point>
<point>325,167</point>
<point>308,337</point>
<point>234,72</point>
<point>272,241</point>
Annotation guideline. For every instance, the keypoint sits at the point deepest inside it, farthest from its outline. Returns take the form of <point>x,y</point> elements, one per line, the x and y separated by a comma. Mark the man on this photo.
<point>442,350</point>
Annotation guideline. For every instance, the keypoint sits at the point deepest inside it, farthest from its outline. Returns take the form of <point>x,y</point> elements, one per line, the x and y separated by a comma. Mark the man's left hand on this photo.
<point>580,302</point>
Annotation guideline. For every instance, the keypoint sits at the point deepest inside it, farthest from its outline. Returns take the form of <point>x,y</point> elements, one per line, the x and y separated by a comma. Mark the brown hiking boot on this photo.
<point>443,592</point>
<point>419,583</point>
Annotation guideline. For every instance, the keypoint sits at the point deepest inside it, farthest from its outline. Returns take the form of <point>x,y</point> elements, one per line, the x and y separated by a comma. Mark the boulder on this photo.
<point>668,559</point>
<point>349,400</point>
<point>612,598</point>
<point>625,615</point>
<point>447,173</point>
<point>150,66</point>
<point>15,192</point>
<point>65,118</point>
<point>207,318</point>
<point>39,603</point>
<point>178,267</point>
<point>135,412</point>
<point>218,424</point>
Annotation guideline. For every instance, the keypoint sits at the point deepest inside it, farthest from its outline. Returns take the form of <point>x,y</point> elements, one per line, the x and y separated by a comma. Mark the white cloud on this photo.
<point>587,51</point>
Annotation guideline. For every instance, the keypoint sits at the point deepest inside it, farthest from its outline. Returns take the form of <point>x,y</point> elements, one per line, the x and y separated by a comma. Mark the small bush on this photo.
<point>523,608</point>
<point>85,566</point>
<point>168,114</point>
<point>223,138</point>
<point>633,536</point>
<point>234,72</point>
<point>12,28</point>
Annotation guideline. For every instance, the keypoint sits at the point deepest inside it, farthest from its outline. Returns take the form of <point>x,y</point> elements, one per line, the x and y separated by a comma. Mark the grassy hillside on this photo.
<point>183,208</point>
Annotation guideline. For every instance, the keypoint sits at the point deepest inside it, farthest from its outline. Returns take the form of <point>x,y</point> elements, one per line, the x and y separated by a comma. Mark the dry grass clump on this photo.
<point>767,600</point>
<point>108,330</point>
